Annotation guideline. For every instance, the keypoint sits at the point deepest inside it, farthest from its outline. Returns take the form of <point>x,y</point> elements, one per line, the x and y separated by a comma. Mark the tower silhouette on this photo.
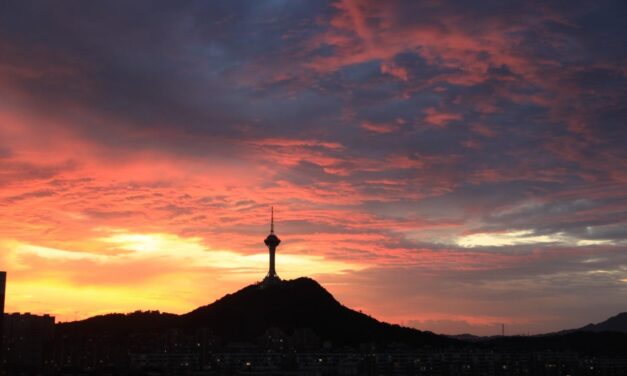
<point>272,241</point>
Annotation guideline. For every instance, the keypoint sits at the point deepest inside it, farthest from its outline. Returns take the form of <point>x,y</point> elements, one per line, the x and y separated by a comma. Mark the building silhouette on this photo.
<point>3,282</point>
<point>272,241</point>
<point>26,337</point>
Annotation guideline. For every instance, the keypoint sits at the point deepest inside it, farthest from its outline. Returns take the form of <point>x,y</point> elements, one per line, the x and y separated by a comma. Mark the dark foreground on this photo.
<point>294,328</point>
<point>344,362</point>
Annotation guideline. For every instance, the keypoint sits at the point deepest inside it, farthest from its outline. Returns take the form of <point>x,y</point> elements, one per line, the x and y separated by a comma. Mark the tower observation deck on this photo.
<point>272,241</point>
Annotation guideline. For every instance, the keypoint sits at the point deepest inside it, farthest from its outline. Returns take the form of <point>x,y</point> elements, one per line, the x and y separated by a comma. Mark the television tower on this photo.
<point>272,241</point>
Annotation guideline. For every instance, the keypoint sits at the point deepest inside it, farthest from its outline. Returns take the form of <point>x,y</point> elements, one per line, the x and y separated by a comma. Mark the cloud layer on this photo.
<point>442,164</point>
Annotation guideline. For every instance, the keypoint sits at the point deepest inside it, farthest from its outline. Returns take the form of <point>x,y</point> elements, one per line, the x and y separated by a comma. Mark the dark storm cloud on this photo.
<point>152,65</point>
<point>203,69</point>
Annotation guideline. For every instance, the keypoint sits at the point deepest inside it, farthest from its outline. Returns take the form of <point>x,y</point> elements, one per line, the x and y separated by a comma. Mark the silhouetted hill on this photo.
<point>247,314</point>
<point>295,304</point>
<point>616,323</point>
<point>119,323</point>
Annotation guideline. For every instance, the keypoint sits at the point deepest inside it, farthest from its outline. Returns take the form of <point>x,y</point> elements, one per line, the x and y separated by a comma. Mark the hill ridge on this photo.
<point>289,306</point>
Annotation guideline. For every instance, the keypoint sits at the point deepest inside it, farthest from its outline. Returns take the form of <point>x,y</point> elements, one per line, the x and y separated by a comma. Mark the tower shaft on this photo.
<point>272,270</point>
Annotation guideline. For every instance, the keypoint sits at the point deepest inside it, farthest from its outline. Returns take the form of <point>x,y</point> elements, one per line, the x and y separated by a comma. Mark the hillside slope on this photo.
<point>250,312</point>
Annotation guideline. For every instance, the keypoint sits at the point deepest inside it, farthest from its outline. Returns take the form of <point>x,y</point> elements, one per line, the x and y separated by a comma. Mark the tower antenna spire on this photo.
<point>272,219</point>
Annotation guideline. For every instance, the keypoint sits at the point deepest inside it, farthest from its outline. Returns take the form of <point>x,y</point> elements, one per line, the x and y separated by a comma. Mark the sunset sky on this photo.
<point>446,165</point>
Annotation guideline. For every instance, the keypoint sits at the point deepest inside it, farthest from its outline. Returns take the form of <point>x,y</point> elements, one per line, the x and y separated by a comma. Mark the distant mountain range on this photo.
<point>616,323</point>
<point>605,338</point>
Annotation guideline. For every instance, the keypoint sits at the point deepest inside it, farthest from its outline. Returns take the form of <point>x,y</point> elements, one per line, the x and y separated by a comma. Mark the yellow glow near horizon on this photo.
<point>145,271</point>
<point>70,302</point>
<point>195,253</point>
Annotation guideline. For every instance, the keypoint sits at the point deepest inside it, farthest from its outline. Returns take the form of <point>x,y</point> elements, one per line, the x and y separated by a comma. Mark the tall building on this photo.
<point>272,241</point>
<point>3,283</point>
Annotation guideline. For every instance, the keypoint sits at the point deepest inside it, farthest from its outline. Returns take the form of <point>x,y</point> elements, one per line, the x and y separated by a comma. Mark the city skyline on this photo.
<point>447,166</point>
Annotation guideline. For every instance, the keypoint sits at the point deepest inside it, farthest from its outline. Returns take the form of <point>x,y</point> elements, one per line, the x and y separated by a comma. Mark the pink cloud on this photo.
<point>379,127</point>
<point>440,118</point>
<point>395,71</point>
